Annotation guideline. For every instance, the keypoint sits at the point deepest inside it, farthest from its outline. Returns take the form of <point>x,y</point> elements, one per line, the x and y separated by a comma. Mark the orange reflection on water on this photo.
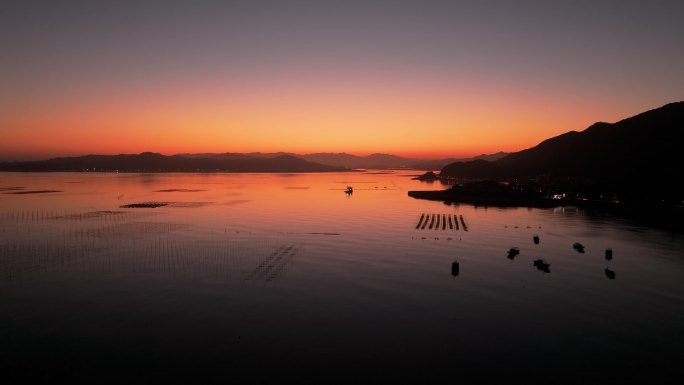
<point>252,197</point>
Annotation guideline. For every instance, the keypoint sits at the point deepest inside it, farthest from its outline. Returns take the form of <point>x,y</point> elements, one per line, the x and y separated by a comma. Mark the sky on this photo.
<point>415,78</point>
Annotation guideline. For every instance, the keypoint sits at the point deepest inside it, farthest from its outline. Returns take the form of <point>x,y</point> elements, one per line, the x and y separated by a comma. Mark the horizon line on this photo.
<point>37,158</point>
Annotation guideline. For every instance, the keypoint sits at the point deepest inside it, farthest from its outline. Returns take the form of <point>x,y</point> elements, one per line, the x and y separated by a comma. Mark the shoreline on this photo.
<point>655,215</point>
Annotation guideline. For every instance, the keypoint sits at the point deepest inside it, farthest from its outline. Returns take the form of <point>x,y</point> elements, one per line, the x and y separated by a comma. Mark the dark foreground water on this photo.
<point>253,278</point>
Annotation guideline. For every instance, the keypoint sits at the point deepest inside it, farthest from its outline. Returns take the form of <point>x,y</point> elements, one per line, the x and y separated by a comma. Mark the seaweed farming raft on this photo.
<point>442,222</point>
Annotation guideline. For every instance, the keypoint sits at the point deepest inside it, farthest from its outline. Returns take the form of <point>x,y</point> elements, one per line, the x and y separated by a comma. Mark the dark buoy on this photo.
<point>454,269</point>
<point>536,239</point>
<point>541,265</point>
<point>610,273</point>
<point>513,252</point>
<point>579,247</point>
<point>609,254</point>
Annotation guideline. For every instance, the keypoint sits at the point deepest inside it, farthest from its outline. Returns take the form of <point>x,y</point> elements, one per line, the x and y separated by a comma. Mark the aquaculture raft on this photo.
<point>443,222</point>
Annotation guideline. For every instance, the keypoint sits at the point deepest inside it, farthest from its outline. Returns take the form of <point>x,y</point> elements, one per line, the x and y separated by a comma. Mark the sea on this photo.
<point>287,278</point>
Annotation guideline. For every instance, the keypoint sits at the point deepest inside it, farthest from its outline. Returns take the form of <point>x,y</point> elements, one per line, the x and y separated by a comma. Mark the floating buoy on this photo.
<point>610,273</point>
<point>454,268</point>
<point>513,252</point>
<point>536,239</point>
<point>609,254</point>
<point>541,265</point>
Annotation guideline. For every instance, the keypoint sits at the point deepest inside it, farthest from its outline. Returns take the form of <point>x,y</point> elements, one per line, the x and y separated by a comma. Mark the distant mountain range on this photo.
<point>153,162</point>
<point>638,153</point>
<point>635,154</point>
<point>438,164</point>
<point>344,160</point>
<point>231,162</point>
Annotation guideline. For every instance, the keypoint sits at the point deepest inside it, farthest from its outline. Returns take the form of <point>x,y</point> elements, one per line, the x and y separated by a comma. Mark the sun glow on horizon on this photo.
<point>442,81</point>
<point>424,119</point>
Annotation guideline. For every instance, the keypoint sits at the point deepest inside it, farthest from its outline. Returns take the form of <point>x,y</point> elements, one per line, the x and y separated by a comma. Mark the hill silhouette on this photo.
<point>639,154</point>
<point>233,161</point>
<point>438,164</point>
<point>153,162</point>
<point>344,160</point>
<point>376,160</point>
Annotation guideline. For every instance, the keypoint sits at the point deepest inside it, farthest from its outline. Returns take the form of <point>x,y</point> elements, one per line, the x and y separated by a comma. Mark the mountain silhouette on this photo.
<point>153,162</point>
<point>438,164</point>
<point>637,154</point>
<point>344,160</point>
<point>234,161</point>
<point>377,160</point>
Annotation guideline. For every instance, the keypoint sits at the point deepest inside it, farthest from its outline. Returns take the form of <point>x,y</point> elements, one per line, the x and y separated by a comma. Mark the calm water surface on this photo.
<point>283,277</point>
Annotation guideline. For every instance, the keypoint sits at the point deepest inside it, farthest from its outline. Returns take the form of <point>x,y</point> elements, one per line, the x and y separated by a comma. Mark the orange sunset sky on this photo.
<point>422,79</point>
